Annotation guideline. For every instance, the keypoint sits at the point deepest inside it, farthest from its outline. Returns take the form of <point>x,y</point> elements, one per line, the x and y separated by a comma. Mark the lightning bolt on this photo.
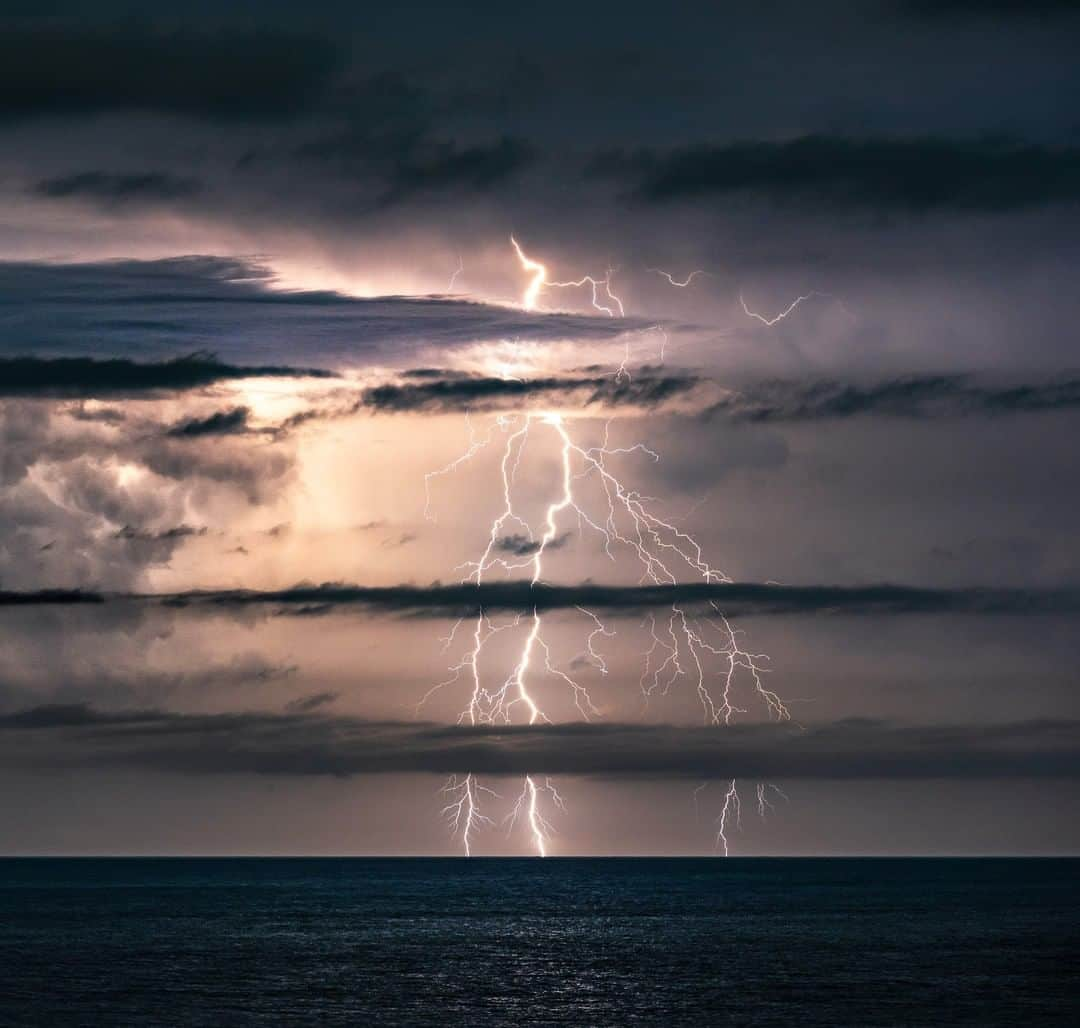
<point>682,649</point>
<point>732,810</point>
<point>613,307</point>
<point>454,277</point>
<point>783,314</point>
<point>527,809</point>
<point>704,650</point>
<point>462,810</point>
<point>674,281</point>
<point>763,803</point>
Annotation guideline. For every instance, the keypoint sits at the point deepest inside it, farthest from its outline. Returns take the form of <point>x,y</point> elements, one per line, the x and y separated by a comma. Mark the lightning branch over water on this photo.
<point>462,810</point>
<point>732,811</point>
<point>688,648</point>
<point>527,809</point>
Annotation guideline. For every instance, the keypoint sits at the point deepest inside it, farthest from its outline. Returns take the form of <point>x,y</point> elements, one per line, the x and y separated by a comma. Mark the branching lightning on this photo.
<point>527,809</point>
<point>538,281</point>
<point>764,319</point>
<point>462,810</point>
<point>702,650</point>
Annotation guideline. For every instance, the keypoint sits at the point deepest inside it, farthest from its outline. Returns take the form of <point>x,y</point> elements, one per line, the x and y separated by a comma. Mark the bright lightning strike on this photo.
<point>462,810</point>
<point>686,648</point>
<point>608,303</point>
<point>704,651</point>
<point>527,809</point>
<point>732,811</point>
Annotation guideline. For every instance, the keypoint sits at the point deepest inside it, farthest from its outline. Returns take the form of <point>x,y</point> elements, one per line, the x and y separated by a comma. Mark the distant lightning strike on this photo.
<point>527,809</point>
<point>624,522</point>
<point>732,812</point>
<point>462,810</point>
<point>674,281</point>
<point>783,314</point>
<point>683,648</point>
<point>454,277</point>
<point>764,319</point>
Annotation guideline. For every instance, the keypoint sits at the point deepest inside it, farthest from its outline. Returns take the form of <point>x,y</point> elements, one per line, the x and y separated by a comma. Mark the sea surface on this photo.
<point>532,942</point>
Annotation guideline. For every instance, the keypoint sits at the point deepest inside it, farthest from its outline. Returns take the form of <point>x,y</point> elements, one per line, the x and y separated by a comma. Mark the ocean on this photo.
<point>804,942</point>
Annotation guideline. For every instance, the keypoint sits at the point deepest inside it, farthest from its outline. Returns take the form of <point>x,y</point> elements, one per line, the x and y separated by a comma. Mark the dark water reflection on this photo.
<point>527,942</point>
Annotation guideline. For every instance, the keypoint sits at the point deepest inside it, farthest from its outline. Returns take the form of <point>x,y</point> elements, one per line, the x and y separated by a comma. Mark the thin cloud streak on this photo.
<point>441,601</point>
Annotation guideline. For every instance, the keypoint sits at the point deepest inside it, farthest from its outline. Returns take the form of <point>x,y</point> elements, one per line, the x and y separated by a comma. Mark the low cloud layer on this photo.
<point>302,743</point>
<point>648,387</point>
<point>85,377</point>
<point>736,599</point>
<point>913,396</point>
<point>437,391</point>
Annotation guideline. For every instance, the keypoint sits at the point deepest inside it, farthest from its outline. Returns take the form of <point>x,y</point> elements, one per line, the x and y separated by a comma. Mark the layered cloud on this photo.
<point>734,599</point>
<point>152,310</point>
<point>300,742</point>
<point>78,377</point>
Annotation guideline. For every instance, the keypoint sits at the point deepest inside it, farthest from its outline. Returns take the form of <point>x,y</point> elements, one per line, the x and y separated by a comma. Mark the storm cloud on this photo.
<point>119,189</point>
<point>84,377</point>
<point>915,396</point>
<point>57,68</point>
<point>649,387</point>
<point>324,198</point>
<point>734,599</point>
<point>150,310</point>
<point>223,422</point>
<point>915,176</point>
<point>302,743</point>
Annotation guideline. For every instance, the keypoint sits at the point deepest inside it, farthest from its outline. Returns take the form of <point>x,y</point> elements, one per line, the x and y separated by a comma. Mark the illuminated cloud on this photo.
<point>157,310</point>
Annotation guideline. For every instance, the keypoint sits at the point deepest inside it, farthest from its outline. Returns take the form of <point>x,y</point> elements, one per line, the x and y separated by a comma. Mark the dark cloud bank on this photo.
<point>913,176</point>
<point>153,309</point>
<point>462,600</point>
<point>449,392</point>
<point>60,68</point>
<point>75,377</point>
<point>912,396</point>
<point>227,422</point>
<point>443,391</point>
<point>117,190</point>
<point>299,742</point>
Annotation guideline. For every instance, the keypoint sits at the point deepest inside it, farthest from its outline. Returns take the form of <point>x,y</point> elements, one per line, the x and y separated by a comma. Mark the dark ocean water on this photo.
<point>523,942</point>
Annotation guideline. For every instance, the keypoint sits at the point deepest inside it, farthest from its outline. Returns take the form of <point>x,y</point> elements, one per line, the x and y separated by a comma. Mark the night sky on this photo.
<point>257,284</point>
